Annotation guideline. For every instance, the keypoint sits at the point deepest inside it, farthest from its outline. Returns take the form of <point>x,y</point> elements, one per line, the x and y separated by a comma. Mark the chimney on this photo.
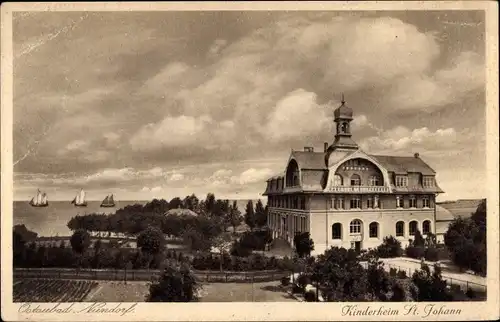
<point>416,155</point>
<point>325,146</point>
<point>308,149</point>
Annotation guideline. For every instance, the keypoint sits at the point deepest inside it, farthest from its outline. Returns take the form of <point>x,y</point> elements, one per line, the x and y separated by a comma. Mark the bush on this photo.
<point>310,296</point>
<point>303,280</point>
<point>240,250</point>
<point>393,271</point>
<point>432,254</point>
<point>470,293</point>
<point>416,252</point>
<point>297,289</point>
<point>285,280</point>
<point>401,274</point>
<point>391,247</point>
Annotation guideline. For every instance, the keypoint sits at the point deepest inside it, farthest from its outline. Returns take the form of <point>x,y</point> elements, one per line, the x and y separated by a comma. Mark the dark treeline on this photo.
<point>133,219</point>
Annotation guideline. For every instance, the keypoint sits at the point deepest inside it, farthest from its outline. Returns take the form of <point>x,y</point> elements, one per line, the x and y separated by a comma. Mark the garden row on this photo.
<point>51,290</point>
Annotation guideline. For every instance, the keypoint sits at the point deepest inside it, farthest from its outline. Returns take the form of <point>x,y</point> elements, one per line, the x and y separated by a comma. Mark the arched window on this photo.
<point>337,231</point>
<point>374,181</point>
<point>373,230</point>
<point>355,180</point>
<point>413,228</point>
<point>426,227</point>
<point>355,226</point>
<point>337,180</point>
<point>400,229</point>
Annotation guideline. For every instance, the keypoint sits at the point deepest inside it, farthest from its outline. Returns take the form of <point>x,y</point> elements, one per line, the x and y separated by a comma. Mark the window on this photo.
<point>337,180</point>
<point>373,230</point>
<point>413,202</point>
<point>355,180</point>
<point>355,226</point>
<point>355,202</point>
<point>337,231</point>
<point>376,202</point>
<point>374,181</point>
<point>339,203</point>
<point>369,202</point>
<point>400,229</point>
<point>428,181</point>
<point>425,202</point>
<point>401,181</point>
<point>303,203</point>
<point>332,203</point>
<point>413,228</point>
<point>426,227</point>
<point>399,201</point>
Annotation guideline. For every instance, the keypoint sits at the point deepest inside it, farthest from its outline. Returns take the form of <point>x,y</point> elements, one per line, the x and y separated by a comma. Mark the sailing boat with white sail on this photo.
<point>79,200</point>
<point>40,199</point>
<point>108,201</point>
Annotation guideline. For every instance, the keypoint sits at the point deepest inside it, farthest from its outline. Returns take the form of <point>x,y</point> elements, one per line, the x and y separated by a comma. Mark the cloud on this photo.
<point>445,86</point>
<point>297,115</point>
<point>402,139</point>
<point>216,47</point>
<point>253,175</point>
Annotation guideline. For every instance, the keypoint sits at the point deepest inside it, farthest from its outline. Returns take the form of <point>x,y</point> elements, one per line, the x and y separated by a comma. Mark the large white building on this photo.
<point>345,197</point>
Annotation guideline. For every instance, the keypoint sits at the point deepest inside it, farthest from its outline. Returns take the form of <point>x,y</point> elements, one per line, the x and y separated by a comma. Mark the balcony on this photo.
<point>360,189</point>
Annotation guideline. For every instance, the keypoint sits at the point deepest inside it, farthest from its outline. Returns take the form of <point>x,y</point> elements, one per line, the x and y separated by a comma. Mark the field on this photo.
<point>52,290</point>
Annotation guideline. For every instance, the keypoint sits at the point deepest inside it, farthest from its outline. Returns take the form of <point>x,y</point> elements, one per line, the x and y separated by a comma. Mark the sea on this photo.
<point>52,220</point>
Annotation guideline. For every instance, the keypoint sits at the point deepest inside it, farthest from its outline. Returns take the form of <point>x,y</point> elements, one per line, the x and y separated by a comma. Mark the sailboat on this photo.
<point>79,200</point>
<point>108,201</point>
<point>39,200</point>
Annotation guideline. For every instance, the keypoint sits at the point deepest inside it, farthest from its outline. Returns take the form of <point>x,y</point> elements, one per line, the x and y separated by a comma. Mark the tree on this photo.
<point>250,215</point>
<point>466,241</point>
<point>223,244</point>
<point>303,243</point>
<point>235,217</point>
<point>391,247</point>
<point>175,203</point>
<point>80,241</point>
<point>378,280</point>
<point>341,275</point>
<point>191,202</point>
<point>195,240</point>
<point>260,214</point>
<point>431,286</point>
<point>176,284</point>
<point>151,241</point>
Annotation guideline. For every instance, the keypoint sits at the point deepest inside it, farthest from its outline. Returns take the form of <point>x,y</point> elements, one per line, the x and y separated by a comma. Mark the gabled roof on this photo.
<point>310,160</point>
<point>403,165</point>
<point>461,208</point>
<point>443,214</point>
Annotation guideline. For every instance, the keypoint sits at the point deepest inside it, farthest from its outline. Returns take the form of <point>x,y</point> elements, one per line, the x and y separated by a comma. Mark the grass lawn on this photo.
<point>211,292</point>
<point>242,292</point>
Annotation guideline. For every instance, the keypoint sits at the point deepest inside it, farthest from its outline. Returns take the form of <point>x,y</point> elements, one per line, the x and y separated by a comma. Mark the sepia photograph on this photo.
<point>249,156</point>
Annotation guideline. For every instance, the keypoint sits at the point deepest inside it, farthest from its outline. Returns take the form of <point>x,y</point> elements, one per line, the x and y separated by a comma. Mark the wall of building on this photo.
<point>321,226</point>
<point>364,168</point>
<point>322,202</point>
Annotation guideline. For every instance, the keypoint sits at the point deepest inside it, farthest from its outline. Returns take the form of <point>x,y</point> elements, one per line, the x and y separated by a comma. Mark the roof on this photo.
<point>310,160</point>
<point>443,214</point>
<point>403,165</point>
<point>461,208</point>
<point>181,212</point>
<point>343,111</point>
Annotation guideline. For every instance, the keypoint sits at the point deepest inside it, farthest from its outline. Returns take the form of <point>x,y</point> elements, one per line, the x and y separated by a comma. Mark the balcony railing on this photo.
<point>360,189</point>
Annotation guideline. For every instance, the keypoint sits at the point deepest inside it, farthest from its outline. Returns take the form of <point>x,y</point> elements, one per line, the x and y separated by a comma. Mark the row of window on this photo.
<point>355,180</point>
<point>402,181</point>
<point>355,202</point>
<point>355,227</point>
<point>289,202</point>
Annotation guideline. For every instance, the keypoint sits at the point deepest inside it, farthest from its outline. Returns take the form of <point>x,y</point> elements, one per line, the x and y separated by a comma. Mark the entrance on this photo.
<point>357,246</point>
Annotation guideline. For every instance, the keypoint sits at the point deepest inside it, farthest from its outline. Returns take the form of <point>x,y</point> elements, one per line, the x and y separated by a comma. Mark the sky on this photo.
<point>164,104</point>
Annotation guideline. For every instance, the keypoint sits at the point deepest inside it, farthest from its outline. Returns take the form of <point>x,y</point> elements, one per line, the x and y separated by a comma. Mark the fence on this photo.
<point>146,275</point>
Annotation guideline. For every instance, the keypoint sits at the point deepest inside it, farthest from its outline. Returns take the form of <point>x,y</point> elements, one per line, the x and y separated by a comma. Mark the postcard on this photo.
<point>250,161</point>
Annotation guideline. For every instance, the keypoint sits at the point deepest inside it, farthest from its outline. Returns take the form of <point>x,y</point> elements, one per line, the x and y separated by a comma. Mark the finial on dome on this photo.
<point>343,101</point>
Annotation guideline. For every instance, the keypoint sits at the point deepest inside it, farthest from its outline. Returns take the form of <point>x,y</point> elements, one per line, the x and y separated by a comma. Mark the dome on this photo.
<point>343,111</point>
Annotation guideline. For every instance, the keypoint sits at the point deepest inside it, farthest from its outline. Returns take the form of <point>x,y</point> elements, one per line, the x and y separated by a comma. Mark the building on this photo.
<point>345,197</point>
<point>447,211</point>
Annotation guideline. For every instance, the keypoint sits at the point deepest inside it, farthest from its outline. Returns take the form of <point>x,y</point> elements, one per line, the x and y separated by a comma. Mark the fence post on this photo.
<point>466,285</point>
<point>226,276</point>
